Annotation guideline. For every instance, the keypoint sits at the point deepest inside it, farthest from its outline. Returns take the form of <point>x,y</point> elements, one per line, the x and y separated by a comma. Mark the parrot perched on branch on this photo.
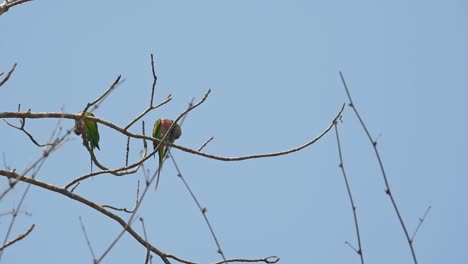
<point>88,130</point>
<point>160,128</point>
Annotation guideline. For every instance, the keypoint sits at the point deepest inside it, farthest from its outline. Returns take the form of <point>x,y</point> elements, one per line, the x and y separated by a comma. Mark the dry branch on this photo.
<point>5,79</point>
<point>341,165</point>
<point>5,6</point>
<point>133,233</point>
<point>188,150</point>
<point>18,238</point>
<point>384,175</point>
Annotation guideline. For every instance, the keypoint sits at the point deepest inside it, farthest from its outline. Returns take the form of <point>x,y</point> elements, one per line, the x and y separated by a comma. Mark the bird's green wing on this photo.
<point>158,133</point>
<point>92,132</point>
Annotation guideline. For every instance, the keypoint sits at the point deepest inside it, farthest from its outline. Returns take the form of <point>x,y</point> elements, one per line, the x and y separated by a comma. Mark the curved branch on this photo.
<point>129,229</point>
<point>138,136</point>
<point>18,238</point>
<point>5,6</point>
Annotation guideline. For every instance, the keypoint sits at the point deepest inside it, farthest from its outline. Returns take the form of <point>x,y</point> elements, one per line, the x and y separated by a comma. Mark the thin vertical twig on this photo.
<point>8,75</point>
<point>353,206</point>
<point>192,194</point>
<point>421,220</point>
<point>155,79</point>
<point>387,185</point>
<point>148,251</point>
<point>202,209</point>
<point>128,151</point>
<point>88,242</point>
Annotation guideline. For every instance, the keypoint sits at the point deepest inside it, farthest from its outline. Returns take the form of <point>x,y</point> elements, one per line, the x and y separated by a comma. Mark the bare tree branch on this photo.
<point>204,144</point>
<point>125,209</point>
<point>341,165</point>
<point>121,130</point>
<point>155,79</point>
<point>5,79</point>
<point>127,228</point>
<point>147,110</point>
<point>87,240</point>
<point>202,209</point>
<point>21,128</point>
<point>101,98</point>
<point>421,220</point>
<point>5,6</point>
<point>5,245</point>
<point>148,255</point>
<point>384,175</point>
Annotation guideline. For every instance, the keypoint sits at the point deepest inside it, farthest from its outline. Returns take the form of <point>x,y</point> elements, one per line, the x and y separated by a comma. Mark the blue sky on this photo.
<point>273,70</point>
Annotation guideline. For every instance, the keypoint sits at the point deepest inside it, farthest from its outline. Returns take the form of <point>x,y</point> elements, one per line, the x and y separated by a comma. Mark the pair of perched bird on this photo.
<point>89,131</point>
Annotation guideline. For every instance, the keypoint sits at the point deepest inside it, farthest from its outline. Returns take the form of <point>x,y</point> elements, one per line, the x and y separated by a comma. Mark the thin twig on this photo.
<point>87,240</point>
<point>116,172</point>
<point>34,169</point>
<point>21,128</point>
<point>5,79</point>
<point>421,220</point>
<point>268,260</point>
<point>150,108</point>
<point>351,246</point>
<point>387,185</point>
<point>204,144</point>
<point>155,78</point>
<point>341,165</point>
<point>18,238</point>
<point>78,198</point>
<point>127,151</point>
<point>202,209</point>
<point>26,213</point>
<point>148,251</point>
<point>103,96</point>
<point>125,209</point>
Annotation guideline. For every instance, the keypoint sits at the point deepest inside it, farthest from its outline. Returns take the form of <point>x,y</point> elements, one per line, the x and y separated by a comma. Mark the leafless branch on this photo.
<point>21,128</point>
<point>150,107</point>
<point>155,78</point>
<point>148,255</point>
<point>127,151</point>
<point>188,150</point>
<point>341,165</point>
<point>147,110</point>
<point>101,98</point>
<point>203,210</point>
<point>204,144</point>
<point>421,220</point>
<point>5,79</point>
<point>87,240</point>
<point>34,169</point>
<point>352,247</point>
<point>384,175</point>
<point>78,198</point>
<point>268,260</point>
<point>13,211</point>
<point>125,209</point>
<point>5,245</point>
<point>127,170</point>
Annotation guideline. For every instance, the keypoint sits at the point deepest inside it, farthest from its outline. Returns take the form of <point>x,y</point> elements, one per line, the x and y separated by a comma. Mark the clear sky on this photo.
<point>273,69</point>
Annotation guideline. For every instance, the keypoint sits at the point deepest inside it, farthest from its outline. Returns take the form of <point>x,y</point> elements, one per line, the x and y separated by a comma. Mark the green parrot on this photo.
<point>160,128</point>
<point>88,130</point>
